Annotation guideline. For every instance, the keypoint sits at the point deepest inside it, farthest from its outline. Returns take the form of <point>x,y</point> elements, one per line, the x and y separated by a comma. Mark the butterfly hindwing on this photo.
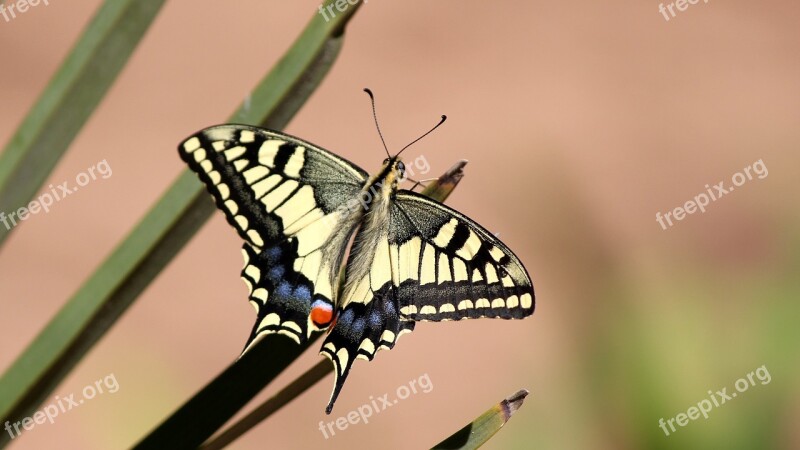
<point>450,268</point>
<point>284,197</point>
<point>368,318</point>
<point>360,331</point>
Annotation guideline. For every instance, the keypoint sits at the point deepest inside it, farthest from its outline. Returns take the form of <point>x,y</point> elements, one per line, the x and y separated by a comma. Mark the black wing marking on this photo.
<point>285,198</point>
<point>447,267</point>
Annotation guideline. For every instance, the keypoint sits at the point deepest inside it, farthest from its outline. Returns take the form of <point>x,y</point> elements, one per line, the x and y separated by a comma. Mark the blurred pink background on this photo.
<point>580,120</point>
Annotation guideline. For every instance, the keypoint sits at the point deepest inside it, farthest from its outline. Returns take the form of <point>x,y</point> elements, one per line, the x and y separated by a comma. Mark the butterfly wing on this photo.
<point>285,197</point>
<point>429,263</point>
<point>450,268</point>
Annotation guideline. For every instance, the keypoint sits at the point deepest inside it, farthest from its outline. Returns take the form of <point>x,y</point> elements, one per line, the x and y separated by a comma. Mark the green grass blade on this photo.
<point>217,402</point>
<point>485,426</point>
<point>161,234</point>
<point>266,409</point>
<point>70,98</point>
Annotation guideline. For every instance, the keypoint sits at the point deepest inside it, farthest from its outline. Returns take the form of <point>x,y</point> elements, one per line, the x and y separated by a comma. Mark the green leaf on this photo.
<point>162,233</point>
<point>217,402</point>
<point>70,98</point>
<point>266,409</point>
<point>485,426</point>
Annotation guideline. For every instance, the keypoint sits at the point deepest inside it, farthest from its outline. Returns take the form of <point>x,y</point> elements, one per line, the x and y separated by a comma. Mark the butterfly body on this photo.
<point>298,206</point>
<point>373,213</point>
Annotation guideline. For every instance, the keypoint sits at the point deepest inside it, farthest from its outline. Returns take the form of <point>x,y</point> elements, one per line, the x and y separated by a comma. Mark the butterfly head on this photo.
<point>396,167</point>
<point>391,174</point>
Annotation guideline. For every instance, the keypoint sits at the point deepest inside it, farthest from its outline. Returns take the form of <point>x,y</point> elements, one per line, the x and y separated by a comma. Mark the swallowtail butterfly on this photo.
<point>297,207</point>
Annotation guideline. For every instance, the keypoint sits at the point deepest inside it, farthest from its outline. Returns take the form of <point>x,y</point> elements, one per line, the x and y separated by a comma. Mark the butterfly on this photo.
<point>297,207</point>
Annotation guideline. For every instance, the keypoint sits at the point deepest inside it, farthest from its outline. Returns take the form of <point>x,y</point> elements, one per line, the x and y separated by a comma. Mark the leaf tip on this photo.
<point>513,402</point>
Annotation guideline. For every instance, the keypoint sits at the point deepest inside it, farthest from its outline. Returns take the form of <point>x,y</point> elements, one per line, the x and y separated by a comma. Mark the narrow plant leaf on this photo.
<point>485,426</point>
<point>217,402</point>
<point>266,409</point>
<point>440,189</point>
<point>162,233</point>
<point>70,98</point>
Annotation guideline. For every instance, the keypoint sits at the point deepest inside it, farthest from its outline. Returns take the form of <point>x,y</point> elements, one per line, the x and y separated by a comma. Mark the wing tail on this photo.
<point>361,330</point>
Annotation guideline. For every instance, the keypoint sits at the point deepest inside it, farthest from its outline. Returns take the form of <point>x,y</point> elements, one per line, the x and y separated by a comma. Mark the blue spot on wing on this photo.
<point>345,319</point>
<point>303,293</point>
<point>284,289</point>
<point>358,327</point>
<point>375,319</point>
<point>274,254</point>
<point>277,272</point>
<point>388,306</point>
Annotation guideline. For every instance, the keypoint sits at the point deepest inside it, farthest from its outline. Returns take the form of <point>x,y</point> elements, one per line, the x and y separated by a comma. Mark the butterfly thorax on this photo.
<point>386,180</point>
<point>376,197</point>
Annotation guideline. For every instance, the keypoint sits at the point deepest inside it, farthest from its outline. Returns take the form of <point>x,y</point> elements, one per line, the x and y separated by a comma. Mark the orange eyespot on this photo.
<point>322,315</point>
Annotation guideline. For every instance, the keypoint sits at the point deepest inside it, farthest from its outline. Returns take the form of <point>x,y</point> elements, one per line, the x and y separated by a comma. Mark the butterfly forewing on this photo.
<point>269,184</point>
<point>448,267</point>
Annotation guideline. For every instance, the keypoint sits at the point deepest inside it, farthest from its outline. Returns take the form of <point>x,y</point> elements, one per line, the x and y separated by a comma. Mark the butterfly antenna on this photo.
<point>375,116</point>
<point>429,132</point>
